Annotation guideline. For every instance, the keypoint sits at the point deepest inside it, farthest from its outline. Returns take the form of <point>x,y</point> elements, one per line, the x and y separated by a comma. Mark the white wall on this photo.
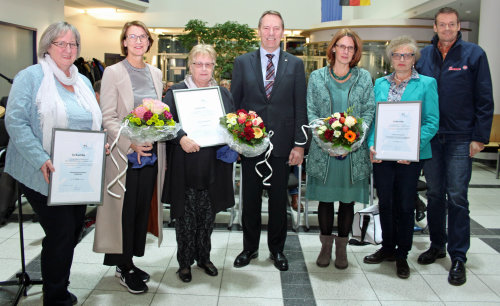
<point>38,14</point>
<point>95,40</point>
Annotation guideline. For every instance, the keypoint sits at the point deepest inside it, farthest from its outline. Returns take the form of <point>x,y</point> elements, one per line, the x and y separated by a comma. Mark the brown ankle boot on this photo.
<point>325,255</point>
<point>341,252</point>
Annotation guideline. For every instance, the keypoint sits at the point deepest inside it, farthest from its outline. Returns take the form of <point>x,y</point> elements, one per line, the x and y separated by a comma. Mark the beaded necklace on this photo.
<point>342,77</point>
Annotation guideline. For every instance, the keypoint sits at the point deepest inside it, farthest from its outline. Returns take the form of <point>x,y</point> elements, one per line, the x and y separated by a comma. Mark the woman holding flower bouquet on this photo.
<point>122,221</point>
<point>197,184</point>
<point>336,89</point>
<point>396,181</point>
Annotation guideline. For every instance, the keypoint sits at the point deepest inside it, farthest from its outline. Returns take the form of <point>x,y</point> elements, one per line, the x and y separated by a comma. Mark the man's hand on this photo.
<point>296,156</point>
<point>372,156</point>
<point>475,147</point>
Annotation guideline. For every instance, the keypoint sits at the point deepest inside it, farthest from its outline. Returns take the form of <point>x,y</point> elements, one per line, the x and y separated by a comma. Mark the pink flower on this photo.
<point>257,121</point>
<point>158,107</point>
<point>167,115</point>
<point>139,111</point>
<point>147,115</point>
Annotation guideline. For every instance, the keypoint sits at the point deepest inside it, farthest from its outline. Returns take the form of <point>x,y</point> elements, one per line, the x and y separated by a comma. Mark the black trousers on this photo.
<point>396,189</point>
<point>62,226</point>
<point>252,203</point>
<point>193,230</point>
<point>136,205</point>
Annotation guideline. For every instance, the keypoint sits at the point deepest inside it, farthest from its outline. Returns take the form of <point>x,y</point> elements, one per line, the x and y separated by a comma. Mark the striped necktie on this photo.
<point>269,75</point>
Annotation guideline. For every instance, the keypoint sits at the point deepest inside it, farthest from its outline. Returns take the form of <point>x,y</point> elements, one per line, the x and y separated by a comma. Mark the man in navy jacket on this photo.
<point>466,113</point>
<point>271,82</point>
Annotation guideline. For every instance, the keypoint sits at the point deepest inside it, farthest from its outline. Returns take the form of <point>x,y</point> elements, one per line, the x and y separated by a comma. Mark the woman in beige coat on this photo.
<point>122,221</point>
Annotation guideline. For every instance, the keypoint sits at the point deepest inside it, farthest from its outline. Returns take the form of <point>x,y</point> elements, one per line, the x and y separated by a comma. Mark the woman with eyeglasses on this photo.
<point>51,94</point>
<point>122,221</point>
<point>335,88</point>
<point>197,184</point>
<point>396,181</point>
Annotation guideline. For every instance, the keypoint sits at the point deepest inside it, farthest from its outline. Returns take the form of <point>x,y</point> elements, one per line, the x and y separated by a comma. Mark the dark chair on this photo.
<point>8,186</point>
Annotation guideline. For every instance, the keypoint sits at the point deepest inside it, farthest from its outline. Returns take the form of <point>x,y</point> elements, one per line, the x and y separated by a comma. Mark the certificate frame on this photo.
<point>79,160</point>
<point>397,131</point>
<point>199,111</point>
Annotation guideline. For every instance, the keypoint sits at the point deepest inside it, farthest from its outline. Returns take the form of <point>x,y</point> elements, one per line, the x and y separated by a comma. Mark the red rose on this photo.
<point>345,128</point>
<point>249,133</point>
<point>147,115</point>
<point>328,135</point>
<point>342,120</point>
<point>241,111</point>
<point>261,125</point>
<point>248,123</point>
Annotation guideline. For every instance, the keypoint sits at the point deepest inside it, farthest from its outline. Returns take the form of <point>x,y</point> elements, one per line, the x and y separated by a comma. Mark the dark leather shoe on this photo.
<point>379,256</point>
<point>402,268</point>
<point>244,258</point>
<point>431,255</point>
<point>185,274</point>
<point>209,268</point>
<point>457,273</point>
<point>280,261</point>
<point>419,209</point>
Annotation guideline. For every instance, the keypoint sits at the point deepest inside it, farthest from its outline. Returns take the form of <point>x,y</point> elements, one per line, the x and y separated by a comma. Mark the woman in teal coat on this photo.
<point>335,88</point>
<point>396,181</point>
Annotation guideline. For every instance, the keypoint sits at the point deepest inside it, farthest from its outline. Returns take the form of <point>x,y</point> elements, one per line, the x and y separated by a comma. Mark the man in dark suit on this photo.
<point>272,83</point>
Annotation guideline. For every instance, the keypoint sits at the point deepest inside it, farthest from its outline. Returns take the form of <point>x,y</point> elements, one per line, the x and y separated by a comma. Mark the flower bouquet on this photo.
<point>340,133</point>
<point>246,133</point>
<point>150,122</point>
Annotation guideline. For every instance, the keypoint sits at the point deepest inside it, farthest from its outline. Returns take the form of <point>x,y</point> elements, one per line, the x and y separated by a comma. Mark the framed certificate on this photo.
<point>78,158</point>
<point>397,130</point>
<point>199,112</point>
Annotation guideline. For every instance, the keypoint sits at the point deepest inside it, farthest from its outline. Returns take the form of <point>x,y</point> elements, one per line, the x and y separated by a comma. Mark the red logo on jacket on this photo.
<point>454,69</point>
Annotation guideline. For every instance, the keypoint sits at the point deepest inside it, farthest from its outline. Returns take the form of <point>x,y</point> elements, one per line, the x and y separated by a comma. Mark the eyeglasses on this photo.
<point>133,37</point>
<point>405,56</point>
<point>344,47</point>
<point>201,65</point>
<point>63,45</point>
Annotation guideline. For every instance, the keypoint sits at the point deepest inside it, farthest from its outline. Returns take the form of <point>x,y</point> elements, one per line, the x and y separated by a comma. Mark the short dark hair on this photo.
<point>270,12</point>
<point>123,35</point>
<point>446,10</point>
<point>358,46</point>
<point>97,86</point>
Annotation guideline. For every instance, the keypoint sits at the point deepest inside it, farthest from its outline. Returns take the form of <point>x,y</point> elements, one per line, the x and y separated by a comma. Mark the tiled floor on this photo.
<point>261,284</point>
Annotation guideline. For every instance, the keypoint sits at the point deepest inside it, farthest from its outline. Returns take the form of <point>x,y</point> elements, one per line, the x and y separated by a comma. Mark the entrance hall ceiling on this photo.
<point>131,5</point>
<point>469,10</point>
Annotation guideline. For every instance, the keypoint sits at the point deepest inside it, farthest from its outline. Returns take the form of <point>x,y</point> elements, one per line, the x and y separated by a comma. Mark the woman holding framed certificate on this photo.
<point>395,178</point>
<point>197,184</point>
<point>51,94</point>
<point>336,88</point>
<point>122,221</point>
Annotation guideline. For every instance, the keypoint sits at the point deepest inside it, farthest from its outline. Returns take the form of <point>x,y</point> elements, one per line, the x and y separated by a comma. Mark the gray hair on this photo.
<point>403,40</point>
<point>201,49</point>
<point>54,31</point>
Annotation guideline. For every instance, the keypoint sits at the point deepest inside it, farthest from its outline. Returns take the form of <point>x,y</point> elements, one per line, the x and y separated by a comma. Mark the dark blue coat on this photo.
<point>464,88</point>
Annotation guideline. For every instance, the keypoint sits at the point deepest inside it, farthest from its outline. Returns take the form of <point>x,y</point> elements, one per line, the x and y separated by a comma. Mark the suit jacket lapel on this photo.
<point>282,64</point>
<point>257,66</point>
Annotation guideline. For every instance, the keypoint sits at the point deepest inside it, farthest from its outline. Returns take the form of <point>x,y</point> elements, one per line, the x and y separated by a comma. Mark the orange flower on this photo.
<point>258,133</point>
<point>350,136</point>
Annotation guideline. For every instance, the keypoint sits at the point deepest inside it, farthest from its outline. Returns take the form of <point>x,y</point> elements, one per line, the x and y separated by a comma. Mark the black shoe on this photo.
<point>280,261</point>
<point>132,282</point>
<point>431,255</point>
<point>379,256</point>
<point>419,209</point>
<point>402,268</point>
<point>209,268</point>
<point>456,277</point>
<point>143,275</point>
<point>244,258</point>
<point>185,274</point>
<point>74,299</point>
